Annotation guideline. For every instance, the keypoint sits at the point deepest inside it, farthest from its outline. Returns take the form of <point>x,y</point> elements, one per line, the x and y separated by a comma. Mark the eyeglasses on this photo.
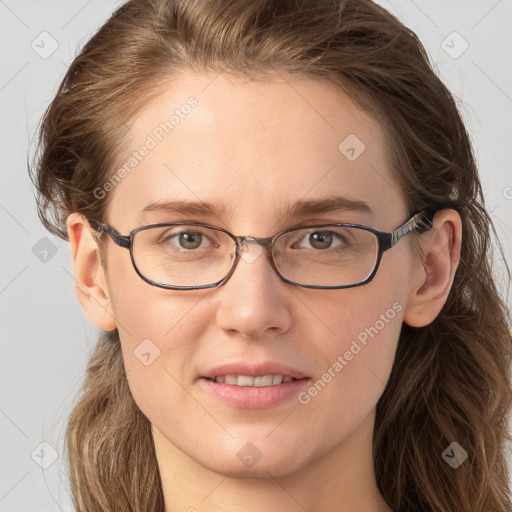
<point>191,256</point>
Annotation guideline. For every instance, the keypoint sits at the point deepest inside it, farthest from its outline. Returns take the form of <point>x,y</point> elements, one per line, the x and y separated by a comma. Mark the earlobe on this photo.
<point>89,276</point>
<point>433,276</point>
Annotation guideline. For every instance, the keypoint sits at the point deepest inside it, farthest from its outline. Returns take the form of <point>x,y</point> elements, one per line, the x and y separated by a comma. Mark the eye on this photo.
<point>188,240</point>
<point>324,239</point>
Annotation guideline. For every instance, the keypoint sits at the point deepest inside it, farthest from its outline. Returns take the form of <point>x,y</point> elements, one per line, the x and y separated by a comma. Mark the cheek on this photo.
<point>143,311</point>
<point>363,328</point>
<point>159,339</point>
<point>160,332</point>
<point>158,326</point>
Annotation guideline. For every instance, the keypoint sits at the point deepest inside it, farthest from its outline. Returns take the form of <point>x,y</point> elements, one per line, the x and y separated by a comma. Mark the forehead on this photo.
<point>252,149</point>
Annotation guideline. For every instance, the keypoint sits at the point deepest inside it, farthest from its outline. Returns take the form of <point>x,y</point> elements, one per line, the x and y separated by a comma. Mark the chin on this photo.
<point>249,462</point>
<point>258,471</point>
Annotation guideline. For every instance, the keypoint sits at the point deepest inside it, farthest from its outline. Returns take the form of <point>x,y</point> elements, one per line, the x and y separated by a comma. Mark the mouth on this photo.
<point>255,382</point>
<point>254,385</point>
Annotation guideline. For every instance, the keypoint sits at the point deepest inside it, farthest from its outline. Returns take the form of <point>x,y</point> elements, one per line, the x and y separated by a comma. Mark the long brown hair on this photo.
<point>450,381</point>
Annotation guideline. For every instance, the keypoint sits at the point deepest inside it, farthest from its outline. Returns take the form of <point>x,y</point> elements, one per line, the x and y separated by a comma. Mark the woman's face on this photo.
<point>254,150</point>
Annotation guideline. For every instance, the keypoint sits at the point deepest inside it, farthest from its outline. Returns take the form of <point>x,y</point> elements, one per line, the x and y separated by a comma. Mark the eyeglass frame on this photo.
<point>420,222</point>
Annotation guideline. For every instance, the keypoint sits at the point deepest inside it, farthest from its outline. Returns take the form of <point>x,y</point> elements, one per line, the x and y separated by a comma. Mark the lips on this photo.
<point>248,386</point>
<point>251,397</point>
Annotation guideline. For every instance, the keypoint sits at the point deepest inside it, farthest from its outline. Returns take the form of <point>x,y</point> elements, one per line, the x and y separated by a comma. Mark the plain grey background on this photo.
<point>45,337</point>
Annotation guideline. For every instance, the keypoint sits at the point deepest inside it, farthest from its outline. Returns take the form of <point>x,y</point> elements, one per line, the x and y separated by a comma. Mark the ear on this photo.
<point>433,275</point>
<point>88,273</point>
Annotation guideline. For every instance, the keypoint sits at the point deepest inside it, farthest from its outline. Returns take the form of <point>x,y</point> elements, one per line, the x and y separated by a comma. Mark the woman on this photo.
<point>275,217</point>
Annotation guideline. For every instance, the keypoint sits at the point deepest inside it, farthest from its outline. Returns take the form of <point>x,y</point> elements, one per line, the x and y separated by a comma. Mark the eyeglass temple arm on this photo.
<point>122,241</point>
<point>421,222</point>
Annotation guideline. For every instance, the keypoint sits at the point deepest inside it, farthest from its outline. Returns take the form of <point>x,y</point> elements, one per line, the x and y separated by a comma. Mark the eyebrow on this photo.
<point>299,209</point>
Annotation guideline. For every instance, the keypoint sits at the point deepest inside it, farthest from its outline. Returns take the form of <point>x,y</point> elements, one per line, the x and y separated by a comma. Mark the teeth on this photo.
<point>230,379</point>
<point>244,380</point>
<point>277,379</point>
<point>266,380</point>
<point>257,382</point>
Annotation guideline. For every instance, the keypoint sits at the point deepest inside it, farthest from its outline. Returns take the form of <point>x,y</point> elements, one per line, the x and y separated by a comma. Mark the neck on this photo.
<point>342,479</point>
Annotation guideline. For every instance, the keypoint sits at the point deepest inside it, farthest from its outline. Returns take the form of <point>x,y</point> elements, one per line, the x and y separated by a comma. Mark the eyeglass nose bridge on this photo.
<point>266,243</point>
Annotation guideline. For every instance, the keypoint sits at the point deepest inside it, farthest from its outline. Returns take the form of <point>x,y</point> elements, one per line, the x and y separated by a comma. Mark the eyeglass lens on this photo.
<point>190,255</point>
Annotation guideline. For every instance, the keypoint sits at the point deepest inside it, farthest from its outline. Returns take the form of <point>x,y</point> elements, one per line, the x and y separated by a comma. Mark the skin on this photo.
<point>256,148</point>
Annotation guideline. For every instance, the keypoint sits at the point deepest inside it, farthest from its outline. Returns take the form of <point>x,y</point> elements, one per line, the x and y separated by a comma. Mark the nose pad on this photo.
<point>250,255</point>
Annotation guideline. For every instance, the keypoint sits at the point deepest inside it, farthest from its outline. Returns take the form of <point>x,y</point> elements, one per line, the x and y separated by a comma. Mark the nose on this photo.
<point>254,302</point>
